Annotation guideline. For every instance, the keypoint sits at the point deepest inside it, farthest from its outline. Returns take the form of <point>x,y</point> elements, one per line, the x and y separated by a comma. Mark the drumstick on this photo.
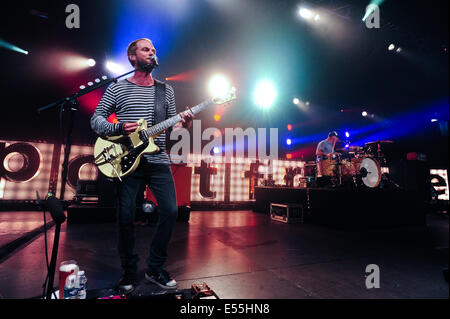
<point>334,144</point>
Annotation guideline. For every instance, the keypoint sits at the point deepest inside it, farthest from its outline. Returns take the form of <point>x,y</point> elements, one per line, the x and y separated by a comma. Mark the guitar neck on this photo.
<point>164,125</point>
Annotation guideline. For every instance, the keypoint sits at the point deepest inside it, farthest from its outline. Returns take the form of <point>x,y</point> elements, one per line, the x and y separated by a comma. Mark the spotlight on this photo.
<point>317,17</point>
<point>90,62</point>
<point>216,150</point>
<point>306,13</point>
<point>217,117</point>
<point>219,86</point>
<point>434,120</point>
<point>289,156</point>
<point>265,94</point>
<point>296,101</point>
<point>289,127</point>
<point>307,103</point>
<point>347,134</point>
<point>288,141</point>
<point>391,47</point>
<point>399,50</point>
<point>114,67</point>
<point>12,47</point>
<point>364,114</point>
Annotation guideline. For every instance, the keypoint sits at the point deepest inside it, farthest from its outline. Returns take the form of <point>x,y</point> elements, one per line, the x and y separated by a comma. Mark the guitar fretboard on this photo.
<point>164,125</point>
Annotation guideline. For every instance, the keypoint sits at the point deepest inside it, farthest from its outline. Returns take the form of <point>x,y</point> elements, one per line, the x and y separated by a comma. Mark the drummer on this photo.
<point>326,148</point>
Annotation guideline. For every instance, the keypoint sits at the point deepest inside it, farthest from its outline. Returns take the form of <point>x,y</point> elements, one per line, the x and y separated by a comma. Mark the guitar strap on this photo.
<point>160,102</point>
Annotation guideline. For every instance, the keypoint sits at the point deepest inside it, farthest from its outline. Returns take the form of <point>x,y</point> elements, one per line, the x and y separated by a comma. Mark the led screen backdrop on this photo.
<point>27,167</point>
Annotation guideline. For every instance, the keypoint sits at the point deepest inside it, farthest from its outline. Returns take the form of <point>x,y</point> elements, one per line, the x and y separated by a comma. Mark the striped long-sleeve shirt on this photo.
<point>131,102</point>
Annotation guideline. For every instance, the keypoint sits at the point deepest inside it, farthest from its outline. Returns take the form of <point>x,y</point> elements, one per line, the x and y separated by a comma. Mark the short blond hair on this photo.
<point>131,50</point>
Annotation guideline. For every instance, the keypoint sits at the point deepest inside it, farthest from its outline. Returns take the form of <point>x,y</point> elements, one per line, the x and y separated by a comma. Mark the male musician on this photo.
<point>326,148</point>
<point>132,99</point>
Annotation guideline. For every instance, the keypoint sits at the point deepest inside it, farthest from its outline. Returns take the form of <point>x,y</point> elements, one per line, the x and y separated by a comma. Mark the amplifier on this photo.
<point>286,213</point>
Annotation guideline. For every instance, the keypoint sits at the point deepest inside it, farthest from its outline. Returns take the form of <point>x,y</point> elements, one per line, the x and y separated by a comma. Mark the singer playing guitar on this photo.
<point>133,99</point>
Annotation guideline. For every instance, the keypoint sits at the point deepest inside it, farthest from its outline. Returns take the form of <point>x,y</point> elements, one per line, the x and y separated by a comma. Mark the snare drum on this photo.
<point>327,167</point>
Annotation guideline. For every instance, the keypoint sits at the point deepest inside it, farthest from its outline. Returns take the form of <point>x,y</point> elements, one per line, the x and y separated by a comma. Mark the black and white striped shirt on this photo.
<point>131,102</point>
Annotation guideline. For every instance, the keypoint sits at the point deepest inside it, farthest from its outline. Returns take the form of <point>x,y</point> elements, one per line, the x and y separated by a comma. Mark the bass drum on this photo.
<point>369,170</point>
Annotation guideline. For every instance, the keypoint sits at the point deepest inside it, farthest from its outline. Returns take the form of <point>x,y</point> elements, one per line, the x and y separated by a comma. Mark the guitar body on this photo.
<point>119,156</point>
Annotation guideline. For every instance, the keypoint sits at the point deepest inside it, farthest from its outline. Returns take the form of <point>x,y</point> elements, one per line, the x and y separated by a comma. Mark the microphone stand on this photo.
<point>70,103</point>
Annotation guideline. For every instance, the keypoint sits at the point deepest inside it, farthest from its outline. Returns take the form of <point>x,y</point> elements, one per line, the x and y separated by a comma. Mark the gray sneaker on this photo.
<point>127,283</point>
<point>162,279</point>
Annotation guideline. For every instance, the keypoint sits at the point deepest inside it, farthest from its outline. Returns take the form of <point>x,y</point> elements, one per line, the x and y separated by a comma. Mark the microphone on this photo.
<point>150,66</point>
<point>54,206</point>
<point>56,209</point>
<point>154,60</point>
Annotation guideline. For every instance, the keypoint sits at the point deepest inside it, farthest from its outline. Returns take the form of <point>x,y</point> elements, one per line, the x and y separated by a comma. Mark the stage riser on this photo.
<point>349,209</point>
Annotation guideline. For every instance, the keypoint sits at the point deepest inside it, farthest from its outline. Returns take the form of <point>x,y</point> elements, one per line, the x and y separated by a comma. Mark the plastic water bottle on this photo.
<point>82,284</point>
<point>70,291</point>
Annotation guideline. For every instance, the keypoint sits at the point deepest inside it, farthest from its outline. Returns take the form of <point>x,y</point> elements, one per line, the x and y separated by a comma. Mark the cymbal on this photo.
<point>379,142</point>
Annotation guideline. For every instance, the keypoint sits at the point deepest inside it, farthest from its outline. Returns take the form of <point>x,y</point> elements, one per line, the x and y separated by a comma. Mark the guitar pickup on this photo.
<point>143,136</point>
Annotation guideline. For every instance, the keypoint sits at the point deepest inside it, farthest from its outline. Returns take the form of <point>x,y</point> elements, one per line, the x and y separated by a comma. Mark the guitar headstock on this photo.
<point>227,98</point>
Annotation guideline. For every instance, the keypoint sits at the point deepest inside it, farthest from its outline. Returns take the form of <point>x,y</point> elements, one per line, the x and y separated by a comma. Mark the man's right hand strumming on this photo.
<point>129,127</point>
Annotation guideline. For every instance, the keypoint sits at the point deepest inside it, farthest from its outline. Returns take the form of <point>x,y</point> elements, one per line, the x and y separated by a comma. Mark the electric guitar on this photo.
<point>119,156</point>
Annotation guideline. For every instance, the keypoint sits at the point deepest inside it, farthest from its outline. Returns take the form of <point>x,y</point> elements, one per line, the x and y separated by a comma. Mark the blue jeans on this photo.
<point>160,181</point>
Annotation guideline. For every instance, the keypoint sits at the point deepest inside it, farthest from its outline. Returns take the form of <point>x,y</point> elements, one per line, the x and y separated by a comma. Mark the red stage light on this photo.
<point>289,156</point>
<point>289,127</point>
<point>183,77</point>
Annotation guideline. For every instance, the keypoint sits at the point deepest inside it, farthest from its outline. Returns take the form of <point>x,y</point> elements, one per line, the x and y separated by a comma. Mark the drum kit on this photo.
<point>353,166</point>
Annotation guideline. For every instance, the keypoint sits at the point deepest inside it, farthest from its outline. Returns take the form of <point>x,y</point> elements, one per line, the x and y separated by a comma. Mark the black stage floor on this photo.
<point>242,254</point>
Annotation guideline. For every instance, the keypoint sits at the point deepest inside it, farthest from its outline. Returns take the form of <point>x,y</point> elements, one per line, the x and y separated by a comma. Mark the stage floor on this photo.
<point>242,254</point>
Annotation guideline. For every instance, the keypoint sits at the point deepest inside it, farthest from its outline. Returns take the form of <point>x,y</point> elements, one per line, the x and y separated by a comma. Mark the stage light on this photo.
<point>296,101</point>
<point>12,47</point>
<point>219,86</point>
<point>434,120</point>
<point>265,94</point>
<point>114,67</point>
<point>289,156</point>
<point>217,117</point>
<point>288,141</point>
<point>90,62</point>
<point>347,134</point>
<point>364,114</point>
<point>307,103</point>
<point>391,47</point>
<point>317,17</point>
<point>306,13</point>
<point>289,127</point>
<point>216,150</point>
<point>399,50</point>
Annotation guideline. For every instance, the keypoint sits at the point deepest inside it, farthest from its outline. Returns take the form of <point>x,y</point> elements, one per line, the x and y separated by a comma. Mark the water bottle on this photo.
<point>82,284</point>
<point>70,291</point>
